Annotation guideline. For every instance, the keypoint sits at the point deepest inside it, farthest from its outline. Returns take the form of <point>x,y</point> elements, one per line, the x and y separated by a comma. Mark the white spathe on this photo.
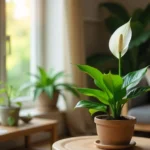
<point>125,30</point>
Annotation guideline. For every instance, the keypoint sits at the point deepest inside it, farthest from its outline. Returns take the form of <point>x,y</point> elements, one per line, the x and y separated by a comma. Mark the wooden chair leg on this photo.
<point>54,136</point>
<point>27,141</point>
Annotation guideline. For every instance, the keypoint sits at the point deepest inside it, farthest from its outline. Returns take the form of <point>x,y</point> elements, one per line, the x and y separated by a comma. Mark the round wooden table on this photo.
<point>87,143</point>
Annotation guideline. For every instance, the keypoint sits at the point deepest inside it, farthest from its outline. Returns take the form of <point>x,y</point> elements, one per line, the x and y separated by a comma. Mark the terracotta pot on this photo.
<point>115,132</point>
<point>9,112</point>
<point>45,104</point>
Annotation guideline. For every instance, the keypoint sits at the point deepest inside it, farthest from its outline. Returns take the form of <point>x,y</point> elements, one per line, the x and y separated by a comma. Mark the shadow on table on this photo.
<point>136,148</point>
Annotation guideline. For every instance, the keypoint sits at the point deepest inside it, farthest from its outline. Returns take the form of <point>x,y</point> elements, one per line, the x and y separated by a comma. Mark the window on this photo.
<point>29,39</point>
<point>18,29</point>
<point>20,19</point>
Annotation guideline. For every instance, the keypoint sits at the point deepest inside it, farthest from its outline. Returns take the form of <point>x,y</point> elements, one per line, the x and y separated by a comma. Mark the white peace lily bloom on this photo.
<point>120,39</point>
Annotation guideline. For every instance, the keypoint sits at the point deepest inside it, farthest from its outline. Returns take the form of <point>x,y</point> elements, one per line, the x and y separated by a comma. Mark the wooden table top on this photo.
<point>87,143</point>
<point>36,125</point>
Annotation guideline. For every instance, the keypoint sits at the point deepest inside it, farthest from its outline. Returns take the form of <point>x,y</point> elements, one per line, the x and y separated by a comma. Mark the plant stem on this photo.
<point>119,63</point>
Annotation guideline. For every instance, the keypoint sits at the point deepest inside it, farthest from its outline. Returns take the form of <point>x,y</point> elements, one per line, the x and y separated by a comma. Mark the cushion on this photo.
<point>142,114</point>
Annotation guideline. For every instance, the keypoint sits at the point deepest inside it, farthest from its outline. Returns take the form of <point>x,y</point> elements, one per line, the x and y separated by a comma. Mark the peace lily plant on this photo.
<point>113,89</point>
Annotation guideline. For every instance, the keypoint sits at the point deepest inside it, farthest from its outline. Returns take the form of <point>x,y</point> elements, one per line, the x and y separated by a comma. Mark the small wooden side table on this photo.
<point>26,130</point>
<point>87,143</point>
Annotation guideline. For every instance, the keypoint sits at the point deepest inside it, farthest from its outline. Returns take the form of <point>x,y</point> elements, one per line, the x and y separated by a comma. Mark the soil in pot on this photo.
<point>45,104</point>
<point>9,115</point>
<point>115,132</point>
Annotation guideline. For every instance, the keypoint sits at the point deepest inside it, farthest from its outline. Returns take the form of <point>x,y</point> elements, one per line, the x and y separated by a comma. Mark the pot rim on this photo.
<point>130,119</point>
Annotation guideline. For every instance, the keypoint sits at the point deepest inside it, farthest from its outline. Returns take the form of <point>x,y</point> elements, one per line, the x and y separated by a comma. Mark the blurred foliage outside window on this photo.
<point>18,27</point>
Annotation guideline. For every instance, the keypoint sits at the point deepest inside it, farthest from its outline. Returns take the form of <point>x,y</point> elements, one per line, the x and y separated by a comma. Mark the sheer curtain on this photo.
<point>63,48</point>
<point>79,121</point>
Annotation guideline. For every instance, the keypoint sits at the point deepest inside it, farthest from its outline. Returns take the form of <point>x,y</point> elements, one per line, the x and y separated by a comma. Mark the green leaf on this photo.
<point>96,75</point>
<point>93,111</point>
<point>145,16</point>
<point>98,59</point>
<point>137,14</point>
<point>58,75</point>
<point>91,71</point>
<point>91,105</point>
<point>43,75</point>
<point>136,92</point>
<point>100,95</point>
<point>34,75</point>
<point>133,78</point>
<point>37,93</point>
<point>26,86</point>
<point>11,121</point>
<point>114,84</point>
<point>49,90</point>
<point>113,22</point>
<point>116,10</point>
<point>140,39</point>
<point>123,101</point>
<point>137,28</point>
<point>68,87</point>
<point>63,95</point>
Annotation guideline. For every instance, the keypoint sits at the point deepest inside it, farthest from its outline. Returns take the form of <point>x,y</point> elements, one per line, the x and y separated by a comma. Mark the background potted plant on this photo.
<point>138,54</point>
<point>113,91</point>
<point>47,88</point>
<point>9,110</point>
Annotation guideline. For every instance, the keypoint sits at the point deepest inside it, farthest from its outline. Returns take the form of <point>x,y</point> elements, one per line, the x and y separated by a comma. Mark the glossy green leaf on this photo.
<point>123,101</point>
<point>113,82</point>
<point>133,78</point>
<point>100,95</point>
<point>94,73</point>
<point>105,89</point>
<point>136,92</point>
<point>91,105</point>
<point>93,111</point>
<point>97,76</point>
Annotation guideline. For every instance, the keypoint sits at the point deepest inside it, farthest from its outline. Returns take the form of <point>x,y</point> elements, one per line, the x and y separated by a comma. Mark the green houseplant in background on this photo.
<point>47,88</point>
<point>113,91</point>
<point>139,47</point>
<point>9,109</point>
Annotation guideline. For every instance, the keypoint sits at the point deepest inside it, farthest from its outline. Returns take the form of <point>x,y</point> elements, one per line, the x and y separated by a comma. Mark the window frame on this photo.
<point>37,39</point>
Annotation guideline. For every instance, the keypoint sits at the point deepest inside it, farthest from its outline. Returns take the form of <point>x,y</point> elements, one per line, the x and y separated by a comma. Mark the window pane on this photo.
<point>18,29</point>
